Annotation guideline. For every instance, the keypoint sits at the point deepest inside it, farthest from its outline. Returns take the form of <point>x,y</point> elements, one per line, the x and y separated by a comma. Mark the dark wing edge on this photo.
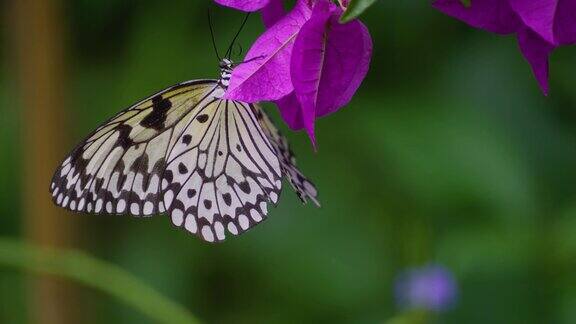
<point>303,187</point>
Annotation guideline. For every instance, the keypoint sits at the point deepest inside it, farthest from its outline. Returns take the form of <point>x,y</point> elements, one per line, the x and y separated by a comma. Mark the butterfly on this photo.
<point>211,164</point>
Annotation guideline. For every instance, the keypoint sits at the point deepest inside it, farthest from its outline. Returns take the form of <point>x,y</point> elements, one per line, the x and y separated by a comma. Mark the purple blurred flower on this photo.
<point>307,62</point>
<point>540,25</point>
<point>431,287</point>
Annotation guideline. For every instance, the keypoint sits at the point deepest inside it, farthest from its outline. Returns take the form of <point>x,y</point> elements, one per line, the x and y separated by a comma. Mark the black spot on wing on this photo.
<point>140,163</point>
<point>244,186</point>
<point>300,178</point>
<point>157,117</point>
<point>202,118</point>
<point>168,176</point>
<point>186,139</point>
<point>182,168</point>
<point>227,199</point>
<point>207,203</point>
<point>124,139</point>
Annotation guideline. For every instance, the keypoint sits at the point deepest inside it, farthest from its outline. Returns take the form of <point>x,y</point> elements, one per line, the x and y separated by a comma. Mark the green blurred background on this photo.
<point>448,154</point>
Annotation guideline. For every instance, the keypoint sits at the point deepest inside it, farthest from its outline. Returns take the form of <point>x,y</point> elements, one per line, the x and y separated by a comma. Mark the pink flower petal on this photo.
<point>553,20</point>
<point>538,15</point>
<point>493,15</point>
<point>307,65</point>
<point>244,5</point>
<point>536,23</point>
<point>291,111</point>
<point>565,23</point>
<point>266,75</point>
<point>272,12</point>
<point>329,61</point>
<point>349,60</point>
<point>536,50</point>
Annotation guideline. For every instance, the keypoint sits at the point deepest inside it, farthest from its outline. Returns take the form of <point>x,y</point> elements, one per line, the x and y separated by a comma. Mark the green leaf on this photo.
<point>95,273</point>
<point>355,9</point>
<point>466,3</point>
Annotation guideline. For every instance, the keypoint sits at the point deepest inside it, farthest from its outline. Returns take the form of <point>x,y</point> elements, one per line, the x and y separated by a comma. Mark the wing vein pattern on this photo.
<point>213,165</point>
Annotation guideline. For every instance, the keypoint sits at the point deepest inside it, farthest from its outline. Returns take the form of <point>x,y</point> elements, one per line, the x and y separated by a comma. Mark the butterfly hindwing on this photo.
<point>303,187</point>
<point>223,180</point>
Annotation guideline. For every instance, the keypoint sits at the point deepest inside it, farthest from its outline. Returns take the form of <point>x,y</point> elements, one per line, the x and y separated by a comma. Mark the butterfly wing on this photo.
<point>222,173</point>
<point>303,187</point>
<point>117,169</point>
<point>204,160</point>
<point>212,164</point>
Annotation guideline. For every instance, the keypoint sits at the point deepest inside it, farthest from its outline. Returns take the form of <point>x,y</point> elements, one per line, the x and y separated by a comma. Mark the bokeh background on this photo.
<point>449,154</point>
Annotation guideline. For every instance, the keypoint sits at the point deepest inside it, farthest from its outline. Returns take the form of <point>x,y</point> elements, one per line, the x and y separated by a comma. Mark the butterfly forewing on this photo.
<point>117,169</point>
<point>212,164</point>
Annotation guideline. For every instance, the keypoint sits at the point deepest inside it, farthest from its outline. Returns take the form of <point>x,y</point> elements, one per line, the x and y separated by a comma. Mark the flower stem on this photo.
<point>98,274</point>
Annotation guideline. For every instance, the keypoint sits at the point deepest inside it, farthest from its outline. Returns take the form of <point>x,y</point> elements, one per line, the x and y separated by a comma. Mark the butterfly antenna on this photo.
<point>240,50</point>
<point>212,35</point>
<point>259,57</point>
<point>228,52</point>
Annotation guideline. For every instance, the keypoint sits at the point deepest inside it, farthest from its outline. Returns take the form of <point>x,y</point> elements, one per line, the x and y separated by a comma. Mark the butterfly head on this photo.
<point>226,66</point>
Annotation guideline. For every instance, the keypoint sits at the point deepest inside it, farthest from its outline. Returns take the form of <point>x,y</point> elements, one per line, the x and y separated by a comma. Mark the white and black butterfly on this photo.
<point>212,164</point>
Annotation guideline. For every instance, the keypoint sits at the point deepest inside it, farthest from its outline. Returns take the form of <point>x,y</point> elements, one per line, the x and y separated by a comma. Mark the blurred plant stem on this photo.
<point>411,317</point>
<point>37,57</point>
<point>85,269</point>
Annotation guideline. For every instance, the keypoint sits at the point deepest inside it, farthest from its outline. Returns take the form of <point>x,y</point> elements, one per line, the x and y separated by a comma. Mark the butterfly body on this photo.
<point>212,164</point>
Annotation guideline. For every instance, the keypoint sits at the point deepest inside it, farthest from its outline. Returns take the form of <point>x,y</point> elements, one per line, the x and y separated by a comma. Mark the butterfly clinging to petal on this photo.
<point>211,164</point>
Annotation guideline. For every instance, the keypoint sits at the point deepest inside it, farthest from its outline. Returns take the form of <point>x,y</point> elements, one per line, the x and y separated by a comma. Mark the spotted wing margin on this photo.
<point>303,187</point>
<point>117,169</point>
<point>222,173</point>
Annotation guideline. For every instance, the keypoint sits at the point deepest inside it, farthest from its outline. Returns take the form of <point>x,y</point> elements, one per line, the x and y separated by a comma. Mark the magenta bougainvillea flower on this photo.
<point>540,25</point>
<point>245,5</point>
<point>307,62</point>
<point>272,10</point>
